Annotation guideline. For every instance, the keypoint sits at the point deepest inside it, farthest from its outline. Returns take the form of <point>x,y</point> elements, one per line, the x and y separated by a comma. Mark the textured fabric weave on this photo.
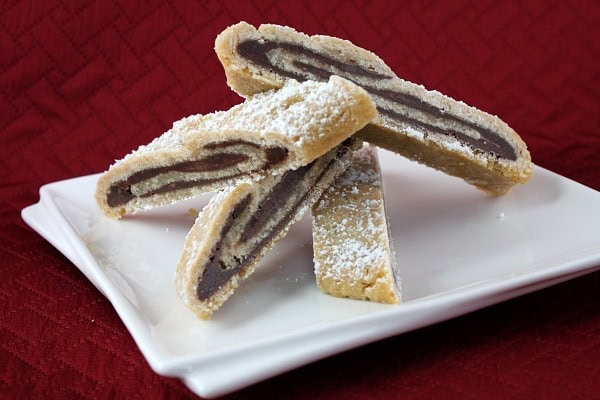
<point>83,83</point>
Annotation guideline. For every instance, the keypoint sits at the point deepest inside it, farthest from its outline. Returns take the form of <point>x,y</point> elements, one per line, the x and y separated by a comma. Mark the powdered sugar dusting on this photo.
<point>294,110</point>
<point>172,140</point>
<point>305,112</point>
<point>350,233</point>
<point>410,131</point>
<point>353,258</point>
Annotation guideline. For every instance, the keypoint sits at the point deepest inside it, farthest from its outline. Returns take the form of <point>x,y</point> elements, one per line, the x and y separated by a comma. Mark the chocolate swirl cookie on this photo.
<point>269,133</point>
<point>422,125</point>
<point>241,224</point>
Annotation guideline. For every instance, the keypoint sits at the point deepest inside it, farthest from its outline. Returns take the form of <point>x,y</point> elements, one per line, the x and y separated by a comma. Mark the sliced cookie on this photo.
<point>240,225</point>
<point>353,252</point>
<point>422,125</point>
<point>269,133</point>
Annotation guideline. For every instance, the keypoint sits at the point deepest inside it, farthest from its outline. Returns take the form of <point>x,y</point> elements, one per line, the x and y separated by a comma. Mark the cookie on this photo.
<point>240,225</point>
<point>422,125</point>
<point>352,246</point>
<point>269,133</point>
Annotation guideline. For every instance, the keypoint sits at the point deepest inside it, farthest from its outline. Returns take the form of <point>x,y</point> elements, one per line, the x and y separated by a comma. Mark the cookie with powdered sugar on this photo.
<point>422,125</point>
<point>352,246</point>
<point>240,225</point>
<point>269,133</point>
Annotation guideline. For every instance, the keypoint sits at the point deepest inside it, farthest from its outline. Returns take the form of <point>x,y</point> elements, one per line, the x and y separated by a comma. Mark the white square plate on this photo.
<point>458,251</point>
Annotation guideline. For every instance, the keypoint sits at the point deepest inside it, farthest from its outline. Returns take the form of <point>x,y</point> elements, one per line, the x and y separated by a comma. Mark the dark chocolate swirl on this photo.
<point>309,64</point>
<point>263,219</point>
<point>220,157</point>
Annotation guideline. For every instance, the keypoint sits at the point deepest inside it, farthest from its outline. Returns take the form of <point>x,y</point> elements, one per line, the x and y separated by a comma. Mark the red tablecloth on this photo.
<point>84,82</point>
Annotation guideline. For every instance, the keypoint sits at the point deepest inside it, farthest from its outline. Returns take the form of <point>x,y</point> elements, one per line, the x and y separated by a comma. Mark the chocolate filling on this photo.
<point>216,273</point>
<point>273,202</point>
<point>323,66</point>
<point>120,192</point>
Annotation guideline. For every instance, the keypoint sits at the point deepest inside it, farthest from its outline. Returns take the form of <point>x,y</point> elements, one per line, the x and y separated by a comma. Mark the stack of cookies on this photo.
<point>302,140</point>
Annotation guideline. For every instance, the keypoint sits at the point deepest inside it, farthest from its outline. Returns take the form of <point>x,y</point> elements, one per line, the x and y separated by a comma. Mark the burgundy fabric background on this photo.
<point>85,82</point>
